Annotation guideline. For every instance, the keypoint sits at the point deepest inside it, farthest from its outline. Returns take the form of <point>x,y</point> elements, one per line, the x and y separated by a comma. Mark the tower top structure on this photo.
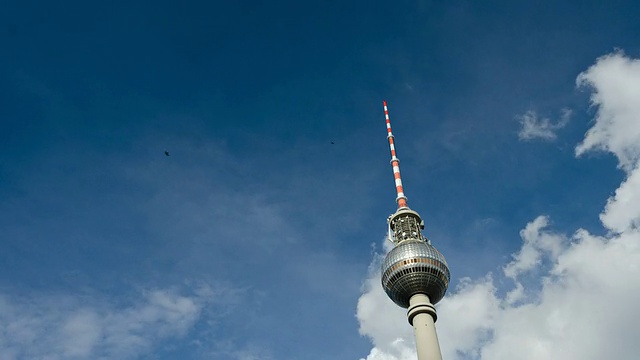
<point>413,266</point>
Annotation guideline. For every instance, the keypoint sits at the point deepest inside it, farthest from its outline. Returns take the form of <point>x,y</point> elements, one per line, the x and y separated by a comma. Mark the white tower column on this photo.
<point>422,316</point>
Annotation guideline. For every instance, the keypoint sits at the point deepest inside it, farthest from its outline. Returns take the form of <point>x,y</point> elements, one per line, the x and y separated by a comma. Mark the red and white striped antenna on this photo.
<point>401,199</point>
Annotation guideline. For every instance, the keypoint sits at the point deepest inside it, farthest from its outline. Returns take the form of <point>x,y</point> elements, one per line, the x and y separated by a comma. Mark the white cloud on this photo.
<point>622,212</point>
<point>586,308</point>
<point>534,127</point>
<point>584,287</point>
<point>470,316</point>
<point>615,81</point>
<point>537,243</point>
<point>615,84</point>
<point>68,327</point>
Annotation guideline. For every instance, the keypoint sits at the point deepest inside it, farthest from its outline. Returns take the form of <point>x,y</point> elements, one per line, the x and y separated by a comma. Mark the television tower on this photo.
<point>414,273</point>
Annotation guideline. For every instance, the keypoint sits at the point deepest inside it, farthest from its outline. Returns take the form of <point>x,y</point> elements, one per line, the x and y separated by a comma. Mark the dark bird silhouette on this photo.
<point>332,143</point>
<point>166,153</point>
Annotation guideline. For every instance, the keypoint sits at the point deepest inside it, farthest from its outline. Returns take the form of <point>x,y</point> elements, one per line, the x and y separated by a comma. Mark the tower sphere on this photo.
<point>414,267</point>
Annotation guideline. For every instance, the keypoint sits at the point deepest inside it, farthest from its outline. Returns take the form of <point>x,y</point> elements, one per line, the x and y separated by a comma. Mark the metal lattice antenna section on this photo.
<point>401,199</point>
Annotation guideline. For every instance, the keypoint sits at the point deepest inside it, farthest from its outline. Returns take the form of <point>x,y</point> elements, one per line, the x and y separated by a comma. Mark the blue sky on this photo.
<point>254,238</point>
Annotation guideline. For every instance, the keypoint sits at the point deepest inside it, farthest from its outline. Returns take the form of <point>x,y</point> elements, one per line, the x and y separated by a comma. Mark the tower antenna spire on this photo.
<point>401,199</point>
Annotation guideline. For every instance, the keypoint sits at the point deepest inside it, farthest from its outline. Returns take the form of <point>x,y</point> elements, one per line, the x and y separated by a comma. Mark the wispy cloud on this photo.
<point>230,350</point>
<point>557,279</point>
<point>80,327</point>
<point>535,127</point>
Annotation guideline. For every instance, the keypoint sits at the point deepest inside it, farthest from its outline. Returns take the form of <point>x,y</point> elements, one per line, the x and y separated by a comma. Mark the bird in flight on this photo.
<point>166,153</point>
